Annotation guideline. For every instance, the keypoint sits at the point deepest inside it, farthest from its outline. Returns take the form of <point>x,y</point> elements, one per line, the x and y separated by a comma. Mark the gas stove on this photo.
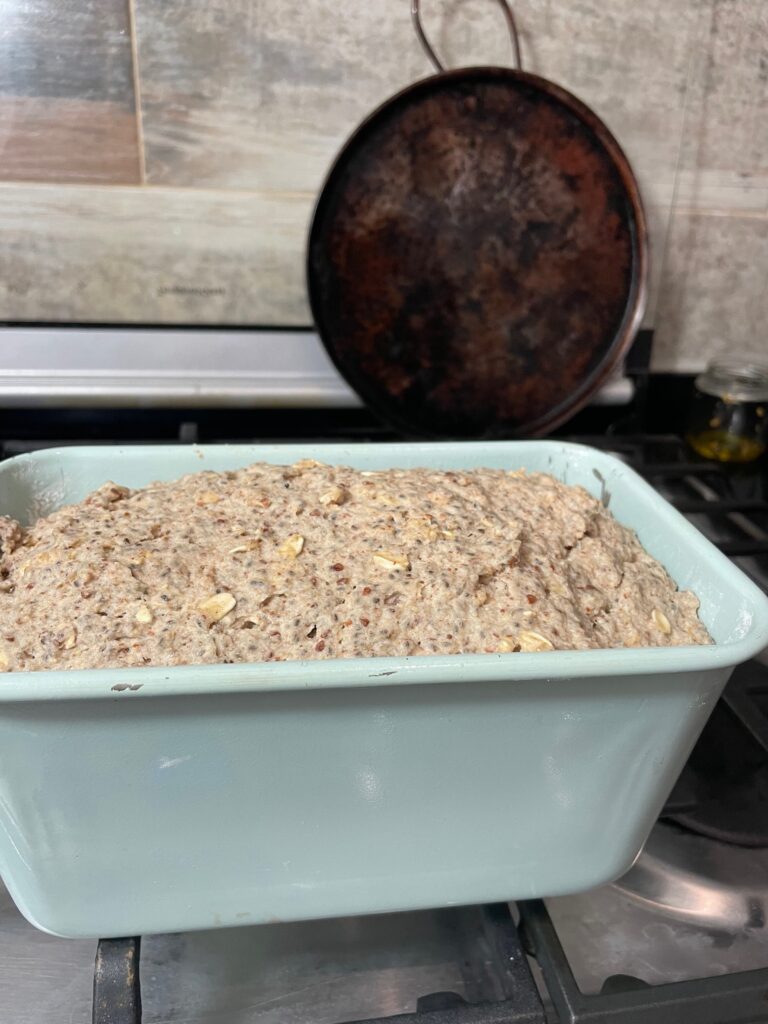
<point>682,936</point>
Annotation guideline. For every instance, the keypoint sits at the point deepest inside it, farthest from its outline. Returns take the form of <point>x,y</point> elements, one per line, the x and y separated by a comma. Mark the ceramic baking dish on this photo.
<point>137,801</point>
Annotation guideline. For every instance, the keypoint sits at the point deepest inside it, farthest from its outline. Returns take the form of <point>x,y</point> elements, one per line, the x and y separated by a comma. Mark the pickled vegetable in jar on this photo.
<point>728,419</point>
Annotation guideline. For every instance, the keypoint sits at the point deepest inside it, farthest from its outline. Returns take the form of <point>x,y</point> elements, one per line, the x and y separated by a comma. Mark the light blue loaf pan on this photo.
<point>138,801</point>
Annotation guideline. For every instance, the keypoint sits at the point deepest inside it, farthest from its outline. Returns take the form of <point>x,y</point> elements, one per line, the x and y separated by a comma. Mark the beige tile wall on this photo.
<point>160,158</point>
<point>714,297</point>
<point>67,101</point>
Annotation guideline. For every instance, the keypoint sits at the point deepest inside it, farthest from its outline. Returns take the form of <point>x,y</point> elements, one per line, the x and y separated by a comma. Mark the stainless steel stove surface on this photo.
<point>681,937</point>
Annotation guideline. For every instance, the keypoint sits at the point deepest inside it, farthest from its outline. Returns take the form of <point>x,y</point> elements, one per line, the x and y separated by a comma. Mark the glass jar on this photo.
<point>728,419</point>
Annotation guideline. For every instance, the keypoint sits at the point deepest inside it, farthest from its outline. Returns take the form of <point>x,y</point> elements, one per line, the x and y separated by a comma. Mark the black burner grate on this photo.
<point>501,959</point>
<point>736,998</point>
<point>496,968</point>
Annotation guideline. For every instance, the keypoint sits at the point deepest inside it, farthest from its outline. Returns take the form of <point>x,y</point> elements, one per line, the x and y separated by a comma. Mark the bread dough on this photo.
<point>272,563</point>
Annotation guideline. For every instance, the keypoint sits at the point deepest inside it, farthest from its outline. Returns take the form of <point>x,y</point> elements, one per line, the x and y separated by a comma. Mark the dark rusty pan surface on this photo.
<point>477,259</point>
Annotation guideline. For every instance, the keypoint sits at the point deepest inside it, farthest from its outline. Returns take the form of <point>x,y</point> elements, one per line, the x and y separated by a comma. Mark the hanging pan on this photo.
<point>477,259</point>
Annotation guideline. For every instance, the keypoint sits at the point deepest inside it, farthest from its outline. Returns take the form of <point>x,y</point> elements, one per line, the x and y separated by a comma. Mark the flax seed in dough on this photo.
<point>272,563</point>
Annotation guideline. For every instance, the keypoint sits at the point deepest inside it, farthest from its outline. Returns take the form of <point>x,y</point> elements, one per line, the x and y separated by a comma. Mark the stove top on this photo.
<point>681,937</point>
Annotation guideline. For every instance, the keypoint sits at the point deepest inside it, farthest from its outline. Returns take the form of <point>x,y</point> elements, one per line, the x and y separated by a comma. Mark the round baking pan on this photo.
<point>477,259</point>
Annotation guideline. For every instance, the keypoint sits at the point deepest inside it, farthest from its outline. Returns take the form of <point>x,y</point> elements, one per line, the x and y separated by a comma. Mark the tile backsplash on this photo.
<point>67,100</point>
<point>160,158</point>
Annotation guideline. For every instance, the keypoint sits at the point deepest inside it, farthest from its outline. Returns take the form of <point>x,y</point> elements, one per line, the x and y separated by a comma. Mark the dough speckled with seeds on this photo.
<point>272,563</point>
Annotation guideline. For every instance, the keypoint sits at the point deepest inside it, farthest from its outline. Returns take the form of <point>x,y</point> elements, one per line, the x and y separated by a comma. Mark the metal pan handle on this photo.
<point>429,49</point>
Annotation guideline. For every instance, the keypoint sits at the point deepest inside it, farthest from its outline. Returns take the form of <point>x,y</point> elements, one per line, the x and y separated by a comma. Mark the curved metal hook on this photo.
<point>429,49</point>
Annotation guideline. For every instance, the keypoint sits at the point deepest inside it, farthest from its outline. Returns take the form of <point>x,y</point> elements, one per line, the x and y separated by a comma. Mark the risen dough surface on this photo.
<point>273,563</point>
